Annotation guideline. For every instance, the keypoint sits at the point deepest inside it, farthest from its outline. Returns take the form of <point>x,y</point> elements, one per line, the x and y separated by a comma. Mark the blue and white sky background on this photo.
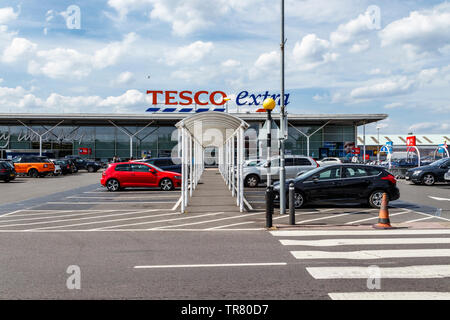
<point>338,59</point>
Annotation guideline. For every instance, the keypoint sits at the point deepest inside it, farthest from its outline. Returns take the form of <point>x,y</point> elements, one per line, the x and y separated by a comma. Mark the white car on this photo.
<point>251,163</point>
<point>293,165</point>
<point>447,176</point>
<point>57,170</point>
<point>329,161</point>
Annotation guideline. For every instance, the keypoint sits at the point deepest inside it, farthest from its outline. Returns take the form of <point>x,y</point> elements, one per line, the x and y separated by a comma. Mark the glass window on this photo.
<point>123,167</point>
<point>373,171</point>
<point>333,173</point>
<point>139,168</point>
<point>353,172</point>
<point>289,162</point>
<point>302,162</point>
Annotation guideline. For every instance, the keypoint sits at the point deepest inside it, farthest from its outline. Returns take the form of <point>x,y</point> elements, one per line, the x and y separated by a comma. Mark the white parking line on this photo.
<point>409,272</point>
<point>47,212</point>
<point>317,233</point>
<point>372,254</point>
<point>365,241</point>
<point>439,199</point>
<point>420,219</point>
<point>9,213</point>
<point>158,221</point>
<point>416,295</point>
<point>367,219</point>
<point>329,217</point>
<point>212,265</point>
<point>177,204</point>
<point>117,197</point>
<point>230,225</point>
<point>74,219</point>
<point>207,221</point>
<point>112,202</point>
<point>53,216</point>
<point>104,221</point>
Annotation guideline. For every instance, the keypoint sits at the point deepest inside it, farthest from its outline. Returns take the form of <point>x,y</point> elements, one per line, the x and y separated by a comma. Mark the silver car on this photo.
<point>447,176</point>
<point>293,165</point>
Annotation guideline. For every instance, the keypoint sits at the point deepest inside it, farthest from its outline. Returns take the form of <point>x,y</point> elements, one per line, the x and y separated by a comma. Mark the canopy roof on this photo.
<point>211,121</point>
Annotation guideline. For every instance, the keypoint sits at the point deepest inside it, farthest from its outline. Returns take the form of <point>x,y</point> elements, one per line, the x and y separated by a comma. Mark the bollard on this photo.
<point>291,204</point>
<point>269,206</point>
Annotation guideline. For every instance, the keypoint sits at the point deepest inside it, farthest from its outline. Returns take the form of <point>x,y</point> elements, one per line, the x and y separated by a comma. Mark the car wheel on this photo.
<point>33,173</point>
<point>376,198</point>
<point>112,185</point>
<point>252,181</point>
<point>90,169</point>
<point>428,179</point>
<point>166,184</point>
<point>299,200</point>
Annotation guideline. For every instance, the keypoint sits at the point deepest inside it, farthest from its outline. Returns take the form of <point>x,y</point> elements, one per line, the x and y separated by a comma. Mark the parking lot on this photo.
<point>79,203</point>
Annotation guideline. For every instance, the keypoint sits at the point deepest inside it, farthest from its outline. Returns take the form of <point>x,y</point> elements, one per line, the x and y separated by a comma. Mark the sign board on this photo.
<point>411,141</point>
<point>356,150</point>
<point>85,151</point>
<point>367,157</point>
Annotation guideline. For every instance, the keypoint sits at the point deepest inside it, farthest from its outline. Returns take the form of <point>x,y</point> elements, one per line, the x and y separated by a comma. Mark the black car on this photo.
<point>67,167</point>
<point>83,164</point>
<point>343,183</point>
<point>167,163</point>
<point>429,174</point>
<point>7,171</point>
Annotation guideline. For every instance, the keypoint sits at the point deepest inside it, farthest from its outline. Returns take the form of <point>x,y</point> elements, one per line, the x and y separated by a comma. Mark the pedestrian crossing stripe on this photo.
<point>409,272</point>
<point>371,254</point>
<point>377,295</point>
<point>313,233</point>
<point>365,241</point>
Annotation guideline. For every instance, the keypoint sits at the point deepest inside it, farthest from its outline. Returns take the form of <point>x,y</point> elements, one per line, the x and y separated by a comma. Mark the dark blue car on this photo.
<point>167,163</point>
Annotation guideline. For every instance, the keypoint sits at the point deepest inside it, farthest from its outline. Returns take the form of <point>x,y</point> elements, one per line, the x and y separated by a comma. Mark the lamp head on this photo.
<point>269,104</point>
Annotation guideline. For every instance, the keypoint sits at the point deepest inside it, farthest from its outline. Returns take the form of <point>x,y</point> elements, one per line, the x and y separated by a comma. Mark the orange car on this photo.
<point>33,166</point>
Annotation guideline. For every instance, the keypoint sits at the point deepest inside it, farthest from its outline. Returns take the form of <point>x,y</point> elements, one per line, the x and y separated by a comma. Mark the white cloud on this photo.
<point>347,32</point>
<point>386,88</point>
<point>189,54</point>
<point>330,11</point>
<point>123,7</point>
<point>125,78</point>
<point>423,31</point>
<point>19,47</point>
<point>230,63</point>
<point>266,62</point>
<point>7,15</point>
<point>312,52</point>
<point>394,105</point>
<point>361,46</point>
<point>69,63</point>
<point>427,127</point>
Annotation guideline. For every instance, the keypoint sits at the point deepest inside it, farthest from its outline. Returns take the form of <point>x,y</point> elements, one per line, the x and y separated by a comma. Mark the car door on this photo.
<point>123,174</point>
<point>290,168</point>
<point>143,175</point>
<point>325,185</point>
<point>355,182</point>
<point>302,165</point>
<point>441,170</point>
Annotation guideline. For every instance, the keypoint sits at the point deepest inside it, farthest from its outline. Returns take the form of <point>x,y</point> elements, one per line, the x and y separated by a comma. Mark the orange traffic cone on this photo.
<point>383,217</point>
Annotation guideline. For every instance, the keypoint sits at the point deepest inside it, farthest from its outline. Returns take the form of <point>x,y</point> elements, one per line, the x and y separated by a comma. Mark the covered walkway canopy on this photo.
<point>211,129</point>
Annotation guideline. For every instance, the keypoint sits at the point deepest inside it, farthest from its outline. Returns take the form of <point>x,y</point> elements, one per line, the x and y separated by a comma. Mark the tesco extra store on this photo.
<point>101,136</point>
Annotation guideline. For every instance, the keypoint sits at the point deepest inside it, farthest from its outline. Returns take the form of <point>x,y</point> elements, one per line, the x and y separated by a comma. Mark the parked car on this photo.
<point>65,165</point>
<point>328,161</point>
<point>447,176</point>
<point>83,164</point>
<point>34,166</point>
<point>58,170</point>
<point>7,171</point>
<point>293,165</point>
<point>343,183</point>
<point>430,174</point>
<point>251,163</point>
<point>138,174</point>
<point>165,163</point>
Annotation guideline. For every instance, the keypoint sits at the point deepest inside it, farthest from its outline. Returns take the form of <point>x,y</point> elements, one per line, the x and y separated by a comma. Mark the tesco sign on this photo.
<point>217,98</point>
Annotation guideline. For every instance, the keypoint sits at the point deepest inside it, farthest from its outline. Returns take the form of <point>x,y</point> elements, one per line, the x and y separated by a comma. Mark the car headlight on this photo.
<point>178,177</point>
<point>415,173</point>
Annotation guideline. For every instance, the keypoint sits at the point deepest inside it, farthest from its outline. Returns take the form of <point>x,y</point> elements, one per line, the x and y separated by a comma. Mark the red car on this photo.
<point>138,174</point>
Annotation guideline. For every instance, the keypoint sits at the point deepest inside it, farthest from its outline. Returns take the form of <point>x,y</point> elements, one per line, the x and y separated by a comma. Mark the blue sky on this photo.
<point>340,58</point>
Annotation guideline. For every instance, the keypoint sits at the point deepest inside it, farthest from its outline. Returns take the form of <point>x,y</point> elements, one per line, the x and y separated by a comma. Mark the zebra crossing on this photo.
<point>409,263</point>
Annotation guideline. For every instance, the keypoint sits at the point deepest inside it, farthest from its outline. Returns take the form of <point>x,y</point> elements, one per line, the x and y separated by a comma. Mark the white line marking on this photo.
<point>355,242</point>
<point>420,219</point>
<point>417,295</point>
<point>177,204</point>
<point>212,265</point>
<point>439,199</point>
<point>367,219</point>
<point>313,233</point>
<point>155,192</point>
<point>121,197</point>
<point>330,217</point>
<point>372,254</point>
<point>409,272</point>
<point>53,217</point>
<point>9,213</point>
<point>54,212</point>
<point>127,230</point>
<point>230,225</point>
<point>112,202</point>
<point>150,222</point>
<point>208,221</point>
<point>105,221</point>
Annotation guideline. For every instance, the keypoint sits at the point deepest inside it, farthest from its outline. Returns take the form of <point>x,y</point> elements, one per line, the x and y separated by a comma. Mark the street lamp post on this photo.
<point>269,105</point>
<point>378,140</point>
<point>282,121</point>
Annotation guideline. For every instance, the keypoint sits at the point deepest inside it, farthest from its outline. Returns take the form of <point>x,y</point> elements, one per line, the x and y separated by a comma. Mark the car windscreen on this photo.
<point>439,162</point>
<point>156,167</point>
<point>309,173</point>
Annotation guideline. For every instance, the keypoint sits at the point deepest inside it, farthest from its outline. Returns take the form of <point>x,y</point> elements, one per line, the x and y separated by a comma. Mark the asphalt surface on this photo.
<point>135,245</point>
